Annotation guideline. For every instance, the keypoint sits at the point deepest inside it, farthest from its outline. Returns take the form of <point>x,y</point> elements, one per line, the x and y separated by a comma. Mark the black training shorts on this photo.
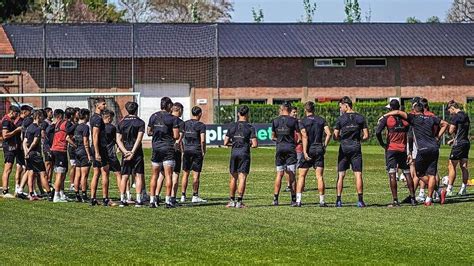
<point>239,163</point>
<point>460,151</point>
<point>396,160</point>
<point>426,162</point>
<point>316,153</point>
<point>35,163</point>
<point>349,157</point>
<point>134,166</point>
<point>192,161</point>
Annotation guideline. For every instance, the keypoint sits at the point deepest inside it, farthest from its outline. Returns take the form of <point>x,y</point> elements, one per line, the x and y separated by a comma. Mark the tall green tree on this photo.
<point>196,18</point>
<point>257,15</point>
<point>352,10</point>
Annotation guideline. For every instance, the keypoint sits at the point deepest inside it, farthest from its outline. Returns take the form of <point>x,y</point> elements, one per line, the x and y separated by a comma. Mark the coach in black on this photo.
<point>194,144</point>
<point>313,129</point>
<point>241,135</point>
<point>348,130</point>
<point>426,137</point>
<point>164,129</point>
<point>130,132</point>
<point>284,128</point>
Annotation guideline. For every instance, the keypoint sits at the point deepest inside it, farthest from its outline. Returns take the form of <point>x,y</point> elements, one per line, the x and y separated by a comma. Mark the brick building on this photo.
<point>257,63</point>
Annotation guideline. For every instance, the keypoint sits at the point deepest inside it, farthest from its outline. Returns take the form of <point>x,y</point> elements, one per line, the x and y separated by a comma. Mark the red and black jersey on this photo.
<point>60,134</point>
<point>397,129</point>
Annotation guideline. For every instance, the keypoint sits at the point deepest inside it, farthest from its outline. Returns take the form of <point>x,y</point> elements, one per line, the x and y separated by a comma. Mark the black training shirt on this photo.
<point>241,133</point>
<point>423,130</point>
<point>192,135</point>
<point>82,130</point>
<point>111,136</point>
<point>462,123</point>
<point>162,124</point>
<point>314,126</point>
<point>284,128</point>
<point>350,126</point>
<point>96,121</point>
<point>33,131</point>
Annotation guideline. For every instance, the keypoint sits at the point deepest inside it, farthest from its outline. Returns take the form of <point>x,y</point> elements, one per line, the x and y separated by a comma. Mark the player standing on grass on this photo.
<point>130,132</point>
<point>62,136</point>
<point>100,153</point>
<point>165,131</point>
<point>299,147</point>
<point>348,130</point>
<point>83,155</point>
<point>194,144</point>
<point>426,162</point>
<point>10,146</point>
<point>313,128</point>
<point>46,142</point>
<point>284,129</point>
<point>111,137</point>
<point>72,151</point>
<point>396,151</point>
<point>23,121</point>
<point>241,136</point>
<point>176,110</point>
<point>459,129</point>
<point>33,156</point>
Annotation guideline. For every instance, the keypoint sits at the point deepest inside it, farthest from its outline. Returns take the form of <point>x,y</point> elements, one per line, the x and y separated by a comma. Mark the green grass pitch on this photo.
<point>73,233</point>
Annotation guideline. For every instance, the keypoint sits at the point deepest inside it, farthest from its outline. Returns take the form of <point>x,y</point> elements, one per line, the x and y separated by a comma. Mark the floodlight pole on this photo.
<point>217,76</point>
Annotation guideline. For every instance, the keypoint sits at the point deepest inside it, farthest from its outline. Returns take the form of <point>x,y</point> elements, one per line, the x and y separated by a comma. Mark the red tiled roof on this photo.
<point>5,45</point>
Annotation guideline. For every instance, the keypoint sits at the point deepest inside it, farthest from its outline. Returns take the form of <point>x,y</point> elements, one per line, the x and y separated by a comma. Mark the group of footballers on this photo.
<point>44,140</point>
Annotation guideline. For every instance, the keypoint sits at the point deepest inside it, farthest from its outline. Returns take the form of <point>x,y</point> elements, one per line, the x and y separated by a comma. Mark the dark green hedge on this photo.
<point>264,113</point>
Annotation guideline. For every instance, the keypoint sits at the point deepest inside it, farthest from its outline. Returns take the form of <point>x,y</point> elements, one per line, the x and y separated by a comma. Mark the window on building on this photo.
<point>470,99</point>
<point>470,62</point>
<point>252,101</point>
<point>329,62</point>
<point>281,101</point>
<point>371,62</point>
<point>64,64</point>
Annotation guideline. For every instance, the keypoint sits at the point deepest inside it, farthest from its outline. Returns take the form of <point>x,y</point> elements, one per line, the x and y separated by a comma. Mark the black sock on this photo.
<point>195,194</point>
<point>5,191</point>
<point>293,197</point>
<point>32,194</point>
<point>239,199</point>
<point>395,200</point>
<point>232,198</point>
<point>77,193</point>
<point>338,198</point>
<point>361,196</point>
<point>275,197</point>
<point>183,194</point>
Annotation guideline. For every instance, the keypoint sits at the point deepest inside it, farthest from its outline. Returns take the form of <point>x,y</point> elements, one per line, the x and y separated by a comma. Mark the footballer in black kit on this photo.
<point>164,129</point>
<point>350,130</point>
<point>34,158</point>
<point>313,129</point>
<point>284,129</point>
<point>10,147</point>
<point>241,136</point>
<point>194,145</point>
<point>99,153</point>
<point>130,132</point>
<point>459,127</point>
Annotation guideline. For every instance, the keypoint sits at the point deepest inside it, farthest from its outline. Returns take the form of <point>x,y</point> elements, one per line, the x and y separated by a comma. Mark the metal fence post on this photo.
<point>217,75</point>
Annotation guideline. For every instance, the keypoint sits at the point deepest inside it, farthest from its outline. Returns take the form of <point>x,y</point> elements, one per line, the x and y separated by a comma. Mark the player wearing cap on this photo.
<point>284,129</point>
<point>349,128</point>
<point>313,128</point>
<point>241,136</point>
<point>424,127</point>
<point>460,145</point>
<point>10,146</point>
<point>396,151</point>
